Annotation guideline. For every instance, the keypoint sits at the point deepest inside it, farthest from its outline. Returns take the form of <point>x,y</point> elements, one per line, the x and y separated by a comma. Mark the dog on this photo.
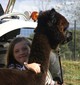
<point>56,23</point>
<point>50,32</point>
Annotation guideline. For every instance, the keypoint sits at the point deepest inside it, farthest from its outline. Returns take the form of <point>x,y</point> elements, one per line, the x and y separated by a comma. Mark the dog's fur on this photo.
<point>49,33</point>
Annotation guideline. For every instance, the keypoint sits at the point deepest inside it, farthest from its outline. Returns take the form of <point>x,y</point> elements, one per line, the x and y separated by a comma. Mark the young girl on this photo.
<point>18,53</point>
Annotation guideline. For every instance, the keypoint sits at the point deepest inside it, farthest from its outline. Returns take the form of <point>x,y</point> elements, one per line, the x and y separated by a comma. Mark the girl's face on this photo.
<point>21,52</point>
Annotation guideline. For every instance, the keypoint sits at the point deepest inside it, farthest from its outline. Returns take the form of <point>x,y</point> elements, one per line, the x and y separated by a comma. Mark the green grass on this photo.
<point>71,72</point>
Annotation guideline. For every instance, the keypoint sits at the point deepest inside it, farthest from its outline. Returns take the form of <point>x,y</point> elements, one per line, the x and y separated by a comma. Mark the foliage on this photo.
<point>67,50</point>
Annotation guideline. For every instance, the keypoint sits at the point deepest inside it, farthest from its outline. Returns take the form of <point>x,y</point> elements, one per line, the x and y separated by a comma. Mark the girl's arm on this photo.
<point>33,66</point>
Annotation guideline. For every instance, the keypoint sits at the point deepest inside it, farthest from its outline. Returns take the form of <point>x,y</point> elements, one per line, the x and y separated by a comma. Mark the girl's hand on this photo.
<point>33,66</point>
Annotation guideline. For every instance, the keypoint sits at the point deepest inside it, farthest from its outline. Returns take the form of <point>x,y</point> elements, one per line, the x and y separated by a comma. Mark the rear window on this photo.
<point>26,31</point>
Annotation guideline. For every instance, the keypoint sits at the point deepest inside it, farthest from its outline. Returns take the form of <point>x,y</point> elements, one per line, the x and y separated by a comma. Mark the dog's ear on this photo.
<point>52,17</point>
<point>52,11</point>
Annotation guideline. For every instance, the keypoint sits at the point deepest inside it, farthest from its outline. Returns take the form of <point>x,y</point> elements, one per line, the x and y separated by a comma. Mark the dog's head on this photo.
<point>54,25</point>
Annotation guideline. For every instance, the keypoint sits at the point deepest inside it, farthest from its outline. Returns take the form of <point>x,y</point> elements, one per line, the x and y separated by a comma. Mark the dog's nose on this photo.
<point>69,36</point>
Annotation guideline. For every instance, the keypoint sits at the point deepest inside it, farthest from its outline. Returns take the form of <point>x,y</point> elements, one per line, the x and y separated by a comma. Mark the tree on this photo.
<point>42,4</point>
<point>67,50</point>
<point>71,9</point>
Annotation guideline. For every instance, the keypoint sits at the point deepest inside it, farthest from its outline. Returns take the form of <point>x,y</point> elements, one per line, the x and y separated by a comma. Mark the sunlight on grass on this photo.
<point>71,72</point>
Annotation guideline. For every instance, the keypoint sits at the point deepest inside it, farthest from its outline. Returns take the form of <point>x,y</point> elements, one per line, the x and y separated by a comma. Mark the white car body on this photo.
<point>8,25</point>
<point>15,24</point>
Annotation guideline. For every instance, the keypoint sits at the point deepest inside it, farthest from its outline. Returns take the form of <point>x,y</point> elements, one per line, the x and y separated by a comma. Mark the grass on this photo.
<point>71,72</point>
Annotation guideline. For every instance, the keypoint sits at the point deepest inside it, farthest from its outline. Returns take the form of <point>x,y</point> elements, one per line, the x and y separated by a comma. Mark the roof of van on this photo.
<point>13,24</point>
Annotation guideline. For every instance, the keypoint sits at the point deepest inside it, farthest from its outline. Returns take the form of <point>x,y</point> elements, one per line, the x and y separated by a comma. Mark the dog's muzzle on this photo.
<point>68,37</point>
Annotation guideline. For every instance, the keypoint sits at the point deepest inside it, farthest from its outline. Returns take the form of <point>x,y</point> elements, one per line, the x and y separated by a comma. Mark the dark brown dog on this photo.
<point>49,33</point>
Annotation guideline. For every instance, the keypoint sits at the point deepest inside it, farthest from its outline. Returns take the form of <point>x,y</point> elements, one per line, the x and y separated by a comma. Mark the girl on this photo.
<point>18,53</point>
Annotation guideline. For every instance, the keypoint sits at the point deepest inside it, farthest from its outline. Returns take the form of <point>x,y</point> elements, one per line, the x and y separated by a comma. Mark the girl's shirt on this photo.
<point>17,66</point>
